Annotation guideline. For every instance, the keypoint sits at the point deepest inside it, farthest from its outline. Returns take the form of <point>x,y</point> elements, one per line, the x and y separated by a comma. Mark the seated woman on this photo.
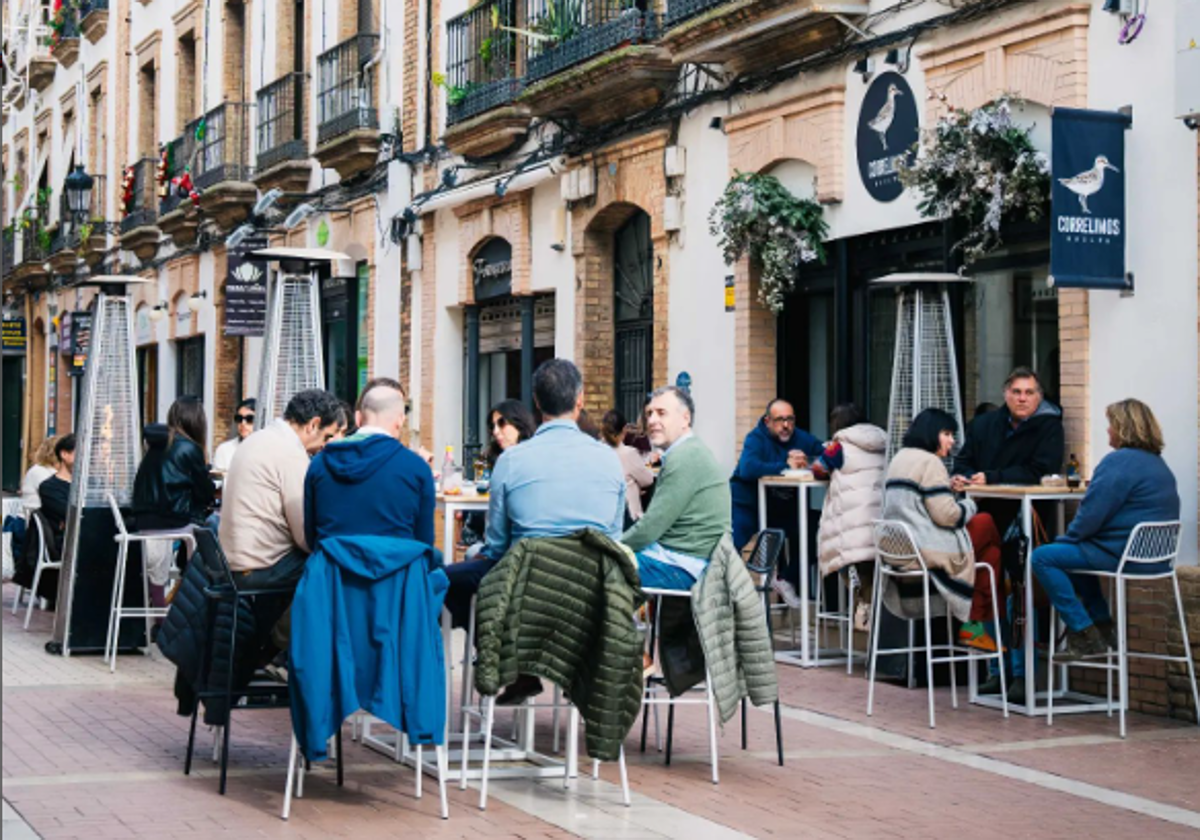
<point>1131,485</point>
<point>172,489</point>
<point>44,465</point>
<point>638,477</point>
<point>509,423</point>
<point>918,493</point>
<point>55,491</point>
<point>243,426</point>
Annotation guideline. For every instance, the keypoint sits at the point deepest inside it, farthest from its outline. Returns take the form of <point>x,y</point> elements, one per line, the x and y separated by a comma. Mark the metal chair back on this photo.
<point>1153,542</point>
<point>216,566</point>
<point>769,545</point>
<point>122,531</point>
<point>896,547</point>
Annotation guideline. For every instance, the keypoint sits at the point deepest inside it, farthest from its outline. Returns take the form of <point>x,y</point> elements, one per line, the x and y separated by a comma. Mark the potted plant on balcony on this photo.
<point>981,169</point>
<point>757,215</point>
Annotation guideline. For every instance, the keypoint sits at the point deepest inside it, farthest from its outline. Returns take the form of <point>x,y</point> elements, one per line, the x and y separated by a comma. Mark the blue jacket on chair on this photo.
<point>365,635</point>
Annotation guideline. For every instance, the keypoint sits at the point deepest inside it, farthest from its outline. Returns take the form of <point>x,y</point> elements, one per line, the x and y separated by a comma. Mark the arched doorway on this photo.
<point>633,313</point>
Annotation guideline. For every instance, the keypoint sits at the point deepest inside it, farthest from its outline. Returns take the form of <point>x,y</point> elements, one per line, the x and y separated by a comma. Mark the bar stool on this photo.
<point>1150,543</point>
<point>841,617</point>
<point>43,562</point>
<point>897,556</point>
<point>117,610</point>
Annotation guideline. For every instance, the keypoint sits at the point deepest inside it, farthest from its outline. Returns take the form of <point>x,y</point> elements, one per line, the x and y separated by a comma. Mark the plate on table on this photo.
<point>799,475</point>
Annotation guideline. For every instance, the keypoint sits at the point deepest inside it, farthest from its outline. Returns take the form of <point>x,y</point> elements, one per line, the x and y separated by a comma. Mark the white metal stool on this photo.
<point>897,556</point>
<point>118,611</point>
<point>43,562</point>
<point>1151,543</point>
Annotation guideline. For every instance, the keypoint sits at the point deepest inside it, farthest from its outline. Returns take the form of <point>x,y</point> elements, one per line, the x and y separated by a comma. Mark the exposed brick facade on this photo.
<point>507,218</point>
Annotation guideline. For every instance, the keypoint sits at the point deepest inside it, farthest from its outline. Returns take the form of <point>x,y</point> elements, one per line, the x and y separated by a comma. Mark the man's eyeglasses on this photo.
<point>779,421</point>
<point>244,418</point>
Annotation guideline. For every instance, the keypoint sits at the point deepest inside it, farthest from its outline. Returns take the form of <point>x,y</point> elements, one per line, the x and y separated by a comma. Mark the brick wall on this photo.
<point>227,358</point>
<point>411,73</point>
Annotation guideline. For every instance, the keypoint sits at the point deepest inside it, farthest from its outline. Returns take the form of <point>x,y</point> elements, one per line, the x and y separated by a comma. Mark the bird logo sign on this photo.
<point>885,116</point>
<point>1088,182</point>
<point>888,130</point>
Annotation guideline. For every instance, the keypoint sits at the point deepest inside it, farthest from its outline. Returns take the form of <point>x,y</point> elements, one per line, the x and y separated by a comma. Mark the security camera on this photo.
<point>302,212</point>
<point>558,164</point>
<point>267,201</point>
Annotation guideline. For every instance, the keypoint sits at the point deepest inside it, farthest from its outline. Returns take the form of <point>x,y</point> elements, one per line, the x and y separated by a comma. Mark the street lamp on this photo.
<point>78,187</point>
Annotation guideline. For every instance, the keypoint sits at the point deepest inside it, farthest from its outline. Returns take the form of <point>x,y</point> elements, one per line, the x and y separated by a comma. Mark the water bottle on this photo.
<point>1073,477</point>
<point>451,474</point>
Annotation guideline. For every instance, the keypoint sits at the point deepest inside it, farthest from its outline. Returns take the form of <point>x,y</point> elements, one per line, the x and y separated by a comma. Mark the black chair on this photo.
<point>769,545</point>
<point>259,694</point>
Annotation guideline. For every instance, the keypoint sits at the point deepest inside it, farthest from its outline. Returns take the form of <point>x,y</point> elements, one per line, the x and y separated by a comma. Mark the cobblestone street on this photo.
<point>92,755</point>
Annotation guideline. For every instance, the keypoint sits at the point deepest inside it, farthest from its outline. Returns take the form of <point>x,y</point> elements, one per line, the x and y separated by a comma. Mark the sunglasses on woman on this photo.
<point>498,423</point>
<point>244,418</point>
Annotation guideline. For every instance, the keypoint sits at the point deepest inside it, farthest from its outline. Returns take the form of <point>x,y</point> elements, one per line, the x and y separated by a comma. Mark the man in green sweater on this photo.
<point>691,508</point>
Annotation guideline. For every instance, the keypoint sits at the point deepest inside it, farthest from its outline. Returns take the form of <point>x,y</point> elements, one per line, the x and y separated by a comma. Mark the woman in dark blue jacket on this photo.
<point>1131,485</point>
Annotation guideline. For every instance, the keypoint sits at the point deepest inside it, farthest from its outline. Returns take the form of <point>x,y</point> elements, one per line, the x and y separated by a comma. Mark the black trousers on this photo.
<point>464,583</point>
<point>269,609</point>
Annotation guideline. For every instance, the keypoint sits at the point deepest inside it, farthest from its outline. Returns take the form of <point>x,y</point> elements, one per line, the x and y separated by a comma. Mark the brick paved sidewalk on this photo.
<point>91,755</point>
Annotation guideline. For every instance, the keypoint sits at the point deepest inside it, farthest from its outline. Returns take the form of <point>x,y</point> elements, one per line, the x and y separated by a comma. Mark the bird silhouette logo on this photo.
<point>883,120</point>
<point>1089,181</point>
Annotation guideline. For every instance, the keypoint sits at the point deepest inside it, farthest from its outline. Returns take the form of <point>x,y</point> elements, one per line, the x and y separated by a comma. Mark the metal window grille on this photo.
<point>573,31</point>
<point>223,152</point>
<point>483,51</point>
<point>282,129</point>
<point>88,6</point>
<point>345,88</point>
<point>680,10</point>
<point>925,371</point>
<point>143,210</point>
<point>292,359</point>
<point>33,245</point>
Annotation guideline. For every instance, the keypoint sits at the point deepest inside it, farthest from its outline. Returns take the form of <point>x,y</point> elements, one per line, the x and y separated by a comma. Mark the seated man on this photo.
<point>262,521</point>
<point>370,484</point>
<point>557,483</point>
<point>691,509</point>
<point>55,491</point>
<point>1016,444</point>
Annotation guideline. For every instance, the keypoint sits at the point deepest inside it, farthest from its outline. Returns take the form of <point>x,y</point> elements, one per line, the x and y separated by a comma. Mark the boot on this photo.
<point>1108,631</point>
<point>991,685</point>
<point>1082,644</point>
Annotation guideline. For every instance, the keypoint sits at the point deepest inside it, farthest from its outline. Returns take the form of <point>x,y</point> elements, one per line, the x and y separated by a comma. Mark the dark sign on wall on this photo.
<point>81,341</point>
<point>14,334</point>
<point>888,131</point>
<point>492,268</point>
<point>246,290</point>
<point>1087,199</point>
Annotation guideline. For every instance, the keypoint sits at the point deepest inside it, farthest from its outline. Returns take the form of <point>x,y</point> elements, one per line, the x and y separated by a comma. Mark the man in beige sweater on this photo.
<point>262,509</point>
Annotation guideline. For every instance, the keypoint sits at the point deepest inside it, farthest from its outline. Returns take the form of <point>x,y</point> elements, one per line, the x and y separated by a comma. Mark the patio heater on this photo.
<point>292,360</point>
<point>924,367</point>
<point>108,449</point>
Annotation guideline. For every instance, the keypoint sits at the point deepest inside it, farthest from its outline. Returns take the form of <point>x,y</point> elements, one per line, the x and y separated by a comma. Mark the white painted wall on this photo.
<point>447,323</point>
<point>1145,346</point>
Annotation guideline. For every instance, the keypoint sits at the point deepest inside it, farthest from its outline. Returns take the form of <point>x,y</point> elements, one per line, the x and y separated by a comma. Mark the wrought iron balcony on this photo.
<point>86,7</point>
<point>35,240</point>
<point>282,129</point>
<point>680,10</point>
<point>142,209</point>
<point>569,32</point>
<point>9,254</point>
<point>482,71</point>
<point>93,19</point>
<point>223,147</point>
<point>94,222</point>
<point>181,157</point>
<point>345,88</point>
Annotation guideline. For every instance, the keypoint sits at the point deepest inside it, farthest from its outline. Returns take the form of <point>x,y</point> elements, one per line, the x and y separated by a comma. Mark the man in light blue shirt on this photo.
<point>558,482</point>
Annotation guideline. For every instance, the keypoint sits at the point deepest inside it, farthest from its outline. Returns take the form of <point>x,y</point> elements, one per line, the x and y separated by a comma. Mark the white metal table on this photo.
<point>451,505</point>
<point>808,656</point>
<point>1034,702</point>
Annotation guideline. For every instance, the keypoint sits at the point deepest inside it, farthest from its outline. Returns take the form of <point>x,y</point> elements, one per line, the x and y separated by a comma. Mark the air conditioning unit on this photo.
<point>672,213</point>
<point>1187,60</point>
<point>675,161</point>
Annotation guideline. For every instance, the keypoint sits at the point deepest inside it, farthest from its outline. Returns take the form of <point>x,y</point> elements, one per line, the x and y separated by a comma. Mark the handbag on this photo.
<point>1015,550</point>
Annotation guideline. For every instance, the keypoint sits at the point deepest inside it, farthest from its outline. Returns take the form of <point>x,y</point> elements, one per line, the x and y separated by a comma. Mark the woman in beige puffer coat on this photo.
<point>854,498</point>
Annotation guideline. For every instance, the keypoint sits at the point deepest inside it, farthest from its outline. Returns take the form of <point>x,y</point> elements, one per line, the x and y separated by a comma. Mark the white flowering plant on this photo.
<point>980,167</point>
<point>757,215</point>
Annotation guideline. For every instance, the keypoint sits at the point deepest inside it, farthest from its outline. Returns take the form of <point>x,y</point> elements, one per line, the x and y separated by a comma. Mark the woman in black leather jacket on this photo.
<point>173,488</point>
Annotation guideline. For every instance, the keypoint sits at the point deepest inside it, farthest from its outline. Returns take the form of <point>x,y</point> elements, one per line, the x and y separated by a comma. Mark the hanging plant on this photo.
<point>980,167</point>
<point>756,215</point>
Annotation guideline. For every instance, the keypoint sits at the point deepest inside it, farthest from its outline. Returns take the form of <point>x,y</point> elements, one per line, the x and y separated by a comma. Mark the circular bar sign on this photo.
<point>888,132</point>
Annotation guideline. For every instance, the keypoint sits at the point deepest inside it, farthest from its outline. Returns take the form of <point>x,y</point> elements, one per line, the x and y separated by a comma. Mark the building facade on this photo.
<point>519,179</point>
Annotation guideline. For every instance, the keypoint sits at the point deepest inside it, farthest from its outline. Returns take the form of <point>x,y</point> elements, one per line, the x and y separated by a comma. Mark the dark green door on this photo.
<point>13,399</point>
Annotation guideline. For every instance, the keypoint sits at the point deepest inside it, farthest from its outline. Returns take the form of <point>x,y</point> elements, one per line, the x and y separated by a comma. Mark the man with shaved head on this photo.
<point>370,484</point>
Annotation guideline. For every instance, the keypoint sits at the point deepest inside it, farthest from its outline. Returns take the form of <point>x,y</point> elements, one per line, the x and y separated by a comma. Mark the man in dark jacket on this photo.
<point>772,446</point>
<point>370,484</point>
<point>1017,444</point>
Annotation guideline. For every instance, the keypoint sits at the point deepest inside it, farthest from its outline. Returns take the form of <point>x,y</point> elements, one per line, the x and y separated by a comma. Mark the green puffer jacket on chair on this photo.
<point>562,608</point>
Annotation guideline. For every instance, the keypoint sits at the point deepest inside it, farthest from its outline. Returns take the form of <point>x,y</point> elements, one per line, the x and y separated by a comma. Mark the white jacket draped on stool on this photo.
<point>854,498</point>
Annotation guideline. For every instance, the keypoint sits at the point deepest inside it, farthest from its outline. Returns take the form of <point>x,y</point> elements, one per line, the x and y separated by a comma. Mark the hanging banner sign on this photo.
<point>246,290</point>
<point>14,334</point>
<point>1087,199</point>
<point>81,340</point>
<point>888,131</point>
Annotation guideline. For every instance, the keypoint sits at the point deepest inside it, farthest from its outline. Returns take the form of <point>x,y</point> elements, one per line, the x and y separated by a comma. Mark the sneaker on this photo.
<point>648,666</point>
<point>991,685</point>
<point>974,634</point>
<point>1016,690</point>
<point>787,592</point>
<point>862,617</point>
<point>1080,645</point>
<point>1108,632</point>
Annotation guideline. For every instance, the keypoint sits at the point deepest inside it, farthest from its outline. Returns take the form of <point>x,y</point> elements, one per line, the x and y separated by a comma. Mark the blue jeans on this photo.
<point>1077,598</point>
<point>656,574</point>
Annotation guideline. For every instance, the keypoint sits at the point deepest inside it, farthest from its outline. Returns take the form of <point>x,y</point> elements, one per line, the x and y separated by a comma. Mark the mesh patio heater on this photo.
<point>292,360</point>
<point>924,368</point>
<point>108,449</point>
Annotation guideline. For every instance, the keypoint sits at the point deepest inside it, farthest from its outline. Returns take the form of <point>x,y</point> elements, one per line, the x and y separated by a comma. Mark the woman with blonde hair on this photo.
<point>1131,485</point>
<point>44,465</point>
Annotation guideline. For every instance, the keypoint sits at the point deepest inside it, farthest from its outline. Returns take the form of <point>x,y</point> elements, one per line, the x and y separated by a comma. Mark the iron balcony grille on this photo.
<point>34,244</point>
<point>482,70</point>
<point>223,147</point>
<point>573,31</point>
<point>70,26</point>
<point>680,10</point>
<point>181,157</point>
<point>9,254</point>
<point>345,88</point>
<point>142,209</point>
<point>86,7</point>
<point>96,212</point>
<point>282,130</point>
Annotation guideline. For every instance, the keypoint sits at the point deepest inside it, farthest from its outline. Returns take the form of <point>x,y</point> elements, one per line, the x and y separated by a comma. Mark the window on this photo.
<point>147,370</point>
<point>185,96</point>
<point>633,314</point>
<point>148,111</point>
<point>189,367</point>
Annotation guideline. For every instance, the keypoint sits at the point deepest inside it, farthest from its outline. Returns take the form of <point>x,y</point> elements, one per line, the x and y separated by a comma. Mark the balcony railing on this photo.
<point>86,7</point>
<point>345,88</point>
<point>35,241</point>
<point>282,130</point>
<point>680,10</point>
<point>482,70</point>
<point>181,154</point>
<point>224,146</point>
<point>143,209</point>
<point>95,215</point>
<point>573,31</point>
<point>9,255</point>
